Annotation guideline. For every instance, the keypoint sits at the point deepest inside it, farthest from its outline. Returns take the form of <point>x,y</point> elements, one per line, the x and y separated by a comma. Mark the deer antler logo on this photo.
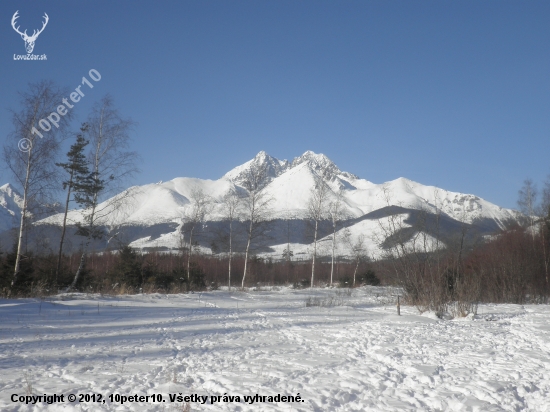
<point>29,40</point>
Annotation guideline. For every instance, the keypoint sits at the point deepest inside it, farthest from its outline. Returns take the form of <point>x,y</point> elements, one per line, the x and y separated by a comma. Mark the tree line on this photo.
<point>455,275</point>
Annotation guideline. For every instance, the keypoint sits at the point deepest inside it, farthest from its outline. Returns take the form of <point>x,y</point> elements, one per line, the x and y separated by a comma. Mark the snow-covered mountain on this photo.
<point>292,182</point>
<point>11,203</point>
<point>155,212</point>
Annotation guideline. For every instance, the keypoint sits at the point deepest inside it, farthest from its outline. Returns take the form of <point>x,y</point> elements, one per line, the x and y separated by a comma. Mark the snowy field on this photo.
<point>358,356</point>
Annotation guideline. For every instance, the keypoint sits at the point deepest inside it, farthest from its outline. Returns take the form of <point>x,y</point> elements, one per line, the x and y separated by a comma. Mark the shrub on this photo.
<point>369,278</point>
<point>327,302</point>
<point>165,280</point>
<point>196,277</point>
<point>301,284</point>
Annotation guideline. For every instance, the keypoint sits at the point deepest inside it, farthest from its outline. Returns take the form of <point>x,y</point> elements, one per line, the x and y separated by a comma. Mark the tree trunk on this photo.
<point>85,248</point>
<point>544,254</point>
<point>63,229</point>
<point>333,248</point>
<point>288,250</point>
<point>189,253</point>
<point>246,253</point>
<point>230,252</point>
<point>314,254</point>
<point>78,271</point>
<point>22,224</point>
<point>355,272</point>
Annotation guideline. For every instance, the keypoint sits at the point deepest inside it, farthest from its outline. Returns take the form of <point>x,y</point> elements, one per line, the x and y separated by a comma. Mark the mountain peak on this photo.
<point>274,167</point>
<point>7,188</point>
<point>317,162</point>
<point>318,159</point>
<point>8,191</point>
<point>262,155</point>
<point>321,164</point>
<point>11,203</point>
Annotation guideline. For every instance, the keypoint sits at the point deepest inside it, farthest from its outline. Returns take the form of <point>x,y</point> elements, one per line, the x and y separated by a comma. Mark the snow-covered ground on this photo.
<point>359,356</point>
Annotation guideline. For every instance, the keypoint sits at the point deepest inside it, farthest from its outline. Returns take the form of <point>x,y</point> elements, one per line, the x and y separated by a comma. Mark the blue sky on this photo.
<point>449,93</point>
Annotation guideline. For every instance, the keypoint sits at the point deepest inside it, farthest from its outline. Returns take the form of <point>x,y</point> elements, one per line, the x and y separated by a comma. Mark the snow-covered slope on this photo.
<point>406,193</point>
<point>290,185</point>
<point>152,203</point>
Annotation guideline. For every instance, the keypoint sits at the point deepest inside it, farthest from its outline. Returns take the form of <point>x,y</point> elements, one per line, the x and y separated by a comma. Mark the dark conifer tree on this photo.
<point>78,172</point>
<point>87,197</point>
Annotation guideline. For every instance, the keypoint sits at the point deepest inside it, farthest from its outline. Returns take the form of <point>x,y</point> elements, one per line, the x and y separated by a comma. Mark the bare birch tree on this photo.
<point>231,203</point>
<point>255,204</point>
<point>30,155</point>
<point>536,216</point>
<point>112,164</point>
<point>545,201</point>
<point>194,217</point>
<point>527,199</point>
<point>358,250</point>
<point>287,252</point>
<point>545,229</point>
<point>317,212</point>
<point>335,214</point>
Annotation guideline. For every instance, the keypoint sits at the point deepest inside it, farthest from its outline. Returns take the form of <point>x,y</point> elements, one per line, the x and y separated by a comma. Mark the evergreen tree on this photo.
<point>196,277</point>
<point>78,172</point>
<point>128,269</point>
<point>87,196</point>
<point>25,275</point>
